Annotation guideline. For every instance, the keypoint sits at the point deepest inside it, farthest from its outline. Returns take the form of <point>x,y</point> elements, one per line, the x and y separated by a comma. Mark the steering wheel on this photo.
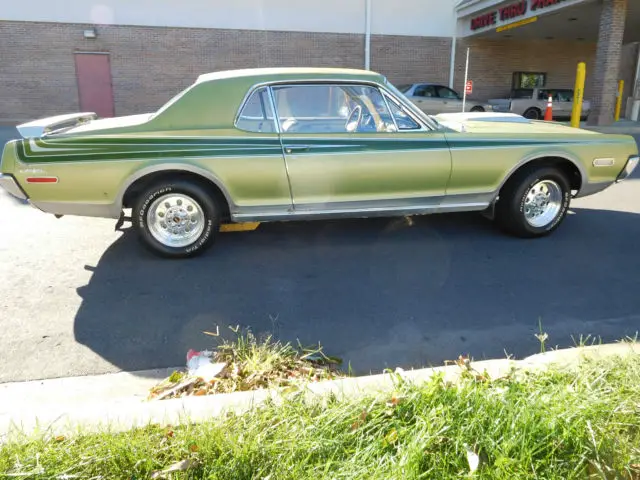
<point>353,121</point>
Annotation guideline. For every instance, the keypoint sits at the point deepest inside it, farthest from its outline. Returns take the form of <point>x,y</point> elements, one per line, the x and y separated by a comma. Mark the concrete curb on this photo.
<point>67,406</point>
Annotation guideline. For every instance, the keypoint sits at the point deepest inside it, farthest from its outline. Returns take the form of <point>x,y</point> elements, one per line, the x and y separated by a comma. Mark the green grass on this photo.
<point>556,425</point>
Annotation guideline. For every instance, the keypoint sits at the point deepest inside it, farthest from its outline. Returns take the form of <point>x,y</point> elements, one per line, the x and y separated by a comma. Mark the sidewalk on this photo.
<point>118,401</point>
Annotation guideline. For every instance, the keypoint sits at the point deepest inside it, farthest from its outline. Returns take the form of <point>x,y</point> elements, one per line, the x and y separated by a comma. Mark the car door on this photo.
<point>426,99</point>
<point>349,148</point>
<point>451,101</point>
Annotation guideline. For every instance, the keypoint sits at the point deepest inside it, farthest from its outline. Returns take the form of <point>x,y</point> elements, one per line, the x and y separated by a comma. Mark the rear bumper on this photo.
<point>10,185</point>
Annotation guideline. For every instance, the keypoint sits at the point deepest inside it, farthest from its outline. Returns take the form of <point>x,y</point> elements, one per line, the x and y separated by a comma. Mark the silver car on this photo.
<point>433,99</point>
<point>532,102</point>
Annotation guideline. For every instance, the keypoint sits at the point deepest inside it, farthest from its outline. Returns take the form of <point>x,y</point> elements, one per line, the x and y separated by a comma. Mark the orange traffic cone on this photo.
<point>548,114</point>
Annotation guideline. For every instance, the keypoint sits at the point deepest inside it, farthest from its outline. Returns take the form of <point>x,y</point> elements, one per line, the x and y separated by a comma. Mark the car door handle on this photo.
<point>296,148</point>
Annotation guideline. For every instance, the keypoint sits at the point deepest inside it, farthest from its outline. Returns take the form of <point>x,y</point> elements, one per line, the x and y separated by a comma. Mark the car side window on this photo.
<point>565,95</point>
<point>331,109</point>
<point>544,95</point>
<point>444,92</point>
<point>402,119</point>
<point>425,91</point>
<point>256,114</point>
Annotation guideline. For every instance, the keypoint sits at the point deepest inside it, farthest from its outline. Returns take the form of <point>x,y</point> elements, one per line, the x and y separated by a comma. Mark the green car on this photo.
<point>299,144</point>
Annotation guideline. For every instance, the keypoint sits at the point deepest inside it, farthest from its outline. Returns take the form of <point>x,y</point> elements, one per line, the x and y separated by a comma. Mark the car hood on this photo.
<point>503,123</point>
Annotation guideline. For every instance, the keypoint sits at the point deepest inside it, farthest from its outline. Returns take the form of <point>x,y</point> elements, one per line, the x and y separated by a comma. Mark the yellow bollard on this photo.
<point>616,117</point>
<point>578,95</point>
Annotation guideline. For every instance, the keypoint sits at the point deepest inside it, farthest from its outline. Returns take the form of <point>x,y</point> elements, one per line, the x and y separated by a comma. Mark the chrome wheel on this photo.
<point>175,220</point>
<point>543,203</point>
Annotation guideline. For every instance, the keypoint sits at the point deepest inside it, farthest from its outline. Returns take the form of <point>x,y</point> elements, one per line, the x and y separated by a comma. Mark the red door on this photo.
<point>94,83</point>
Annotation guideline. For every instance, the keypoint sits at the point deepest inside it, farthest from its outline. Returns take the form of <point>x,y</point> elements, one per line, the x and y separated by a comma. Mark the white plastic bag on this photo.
<point>199,365</point>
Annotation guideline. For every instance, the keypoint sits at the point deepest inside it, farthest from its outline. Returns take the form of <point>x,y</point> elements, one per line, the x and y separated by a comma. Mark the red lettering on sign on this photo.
<point>513,11</point>
<point>485,20</point>
<point>538,4</point>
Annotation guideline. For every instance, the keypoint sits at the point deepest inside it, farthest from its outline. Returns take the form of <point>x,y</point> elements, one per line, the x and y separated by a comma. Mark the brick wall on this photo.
<point>628,71</point>
<point>609,52</point>
<point>150,64</point>
<point>493,62</point>
<point>406,59</point>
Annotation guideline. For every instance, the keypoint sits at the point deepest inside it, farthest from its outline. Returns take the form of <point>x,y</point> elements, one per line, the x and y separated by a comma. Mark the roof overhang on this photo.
<point>476,17</point>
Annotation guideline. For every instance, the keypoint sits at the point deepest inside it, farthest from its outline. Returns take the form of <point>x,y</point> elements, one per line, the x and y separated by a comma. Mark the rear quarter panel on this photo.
<point>97,169</point>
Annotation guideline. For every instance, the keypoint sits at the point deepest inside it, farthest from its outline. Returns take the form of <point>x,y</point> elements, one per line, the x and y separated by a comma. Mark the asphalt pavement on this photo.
<point>77,297</point>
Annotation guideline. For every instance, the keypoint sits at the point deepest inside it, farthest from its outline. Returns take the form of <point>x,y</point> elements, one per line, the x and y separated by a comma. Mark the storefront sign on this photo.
<point>510,12</point>
<point>486,20</point>
<point>539,4</point>
<point>513,11</point>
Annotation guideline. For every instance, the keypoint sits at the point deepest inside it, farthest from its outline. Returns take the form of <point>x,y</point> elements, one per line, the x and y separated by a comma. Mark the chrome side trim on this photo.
<point>359,213</point>
<point>11,186</point>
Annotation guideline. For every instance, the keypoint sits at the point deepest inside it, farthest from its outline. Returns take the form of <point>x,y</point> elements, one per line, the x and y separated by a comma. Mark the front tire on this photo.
<point>477,109</point>
<point>534,202</point>
<point>176,219</point>
<point>533,114</point>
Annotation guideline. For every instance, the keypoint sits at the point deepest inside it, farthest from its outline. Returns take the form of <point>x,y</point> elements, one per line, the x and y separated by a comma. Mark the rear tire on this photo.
<point>477,109</point>
<point>176,219</point>
<point>533,202</point>
<point>533,114</point>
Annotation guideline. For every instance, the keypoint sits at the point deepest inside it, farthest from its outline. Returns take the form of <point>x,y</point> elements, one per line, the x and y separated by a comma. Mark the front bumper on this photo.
<point>10,185</point>
<point>629,167</point>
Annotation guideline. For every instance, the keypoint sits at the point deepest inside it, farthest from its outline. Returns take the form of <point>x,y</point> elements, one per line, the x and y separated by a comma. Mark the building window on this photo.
<point>529,80</point>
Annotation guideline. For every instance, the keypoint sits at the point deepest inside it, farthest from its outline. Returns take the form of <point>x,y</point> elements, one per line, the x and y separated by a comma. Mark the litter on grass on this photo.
<point>247,364</point>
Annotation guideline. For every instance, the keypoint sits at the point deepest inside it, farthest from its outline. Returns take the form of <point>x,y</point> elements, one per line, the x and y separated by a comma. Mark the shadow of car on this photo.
<point>379,293</point>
